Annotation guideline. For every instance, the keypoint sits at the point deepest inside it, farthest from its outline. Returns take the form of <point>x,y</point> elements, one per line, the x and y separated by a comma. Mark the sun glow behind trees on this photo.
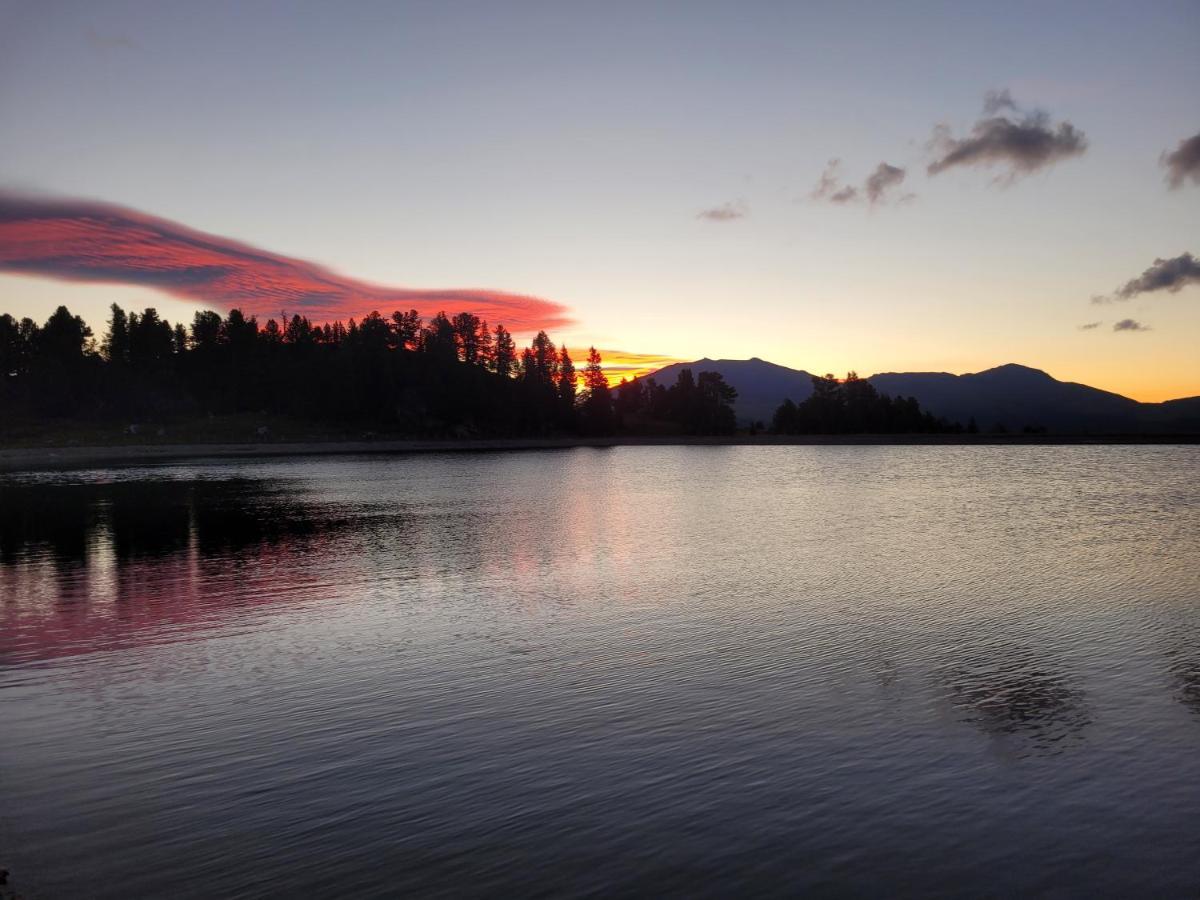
<point>451,375</point>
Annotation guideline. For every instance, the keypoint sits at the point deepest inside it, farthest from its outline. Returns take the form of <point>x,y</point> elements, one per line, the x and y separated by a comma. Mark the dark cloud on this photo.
<point>1169,275</point>
<point>1088,326</point>
<point>81,240</point>
<point>1183,162</point>
<point>883,179</point>
<point>726,212</point>
<point>1130,325</point>
<point>876,189</point>
<point>1022,142</point>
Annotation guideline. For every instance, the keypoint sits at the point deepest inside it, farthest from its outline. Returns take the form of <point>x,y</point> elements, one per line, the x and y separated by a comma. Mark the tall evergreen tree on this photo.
<point>566,378</point>
<point>597,403</point>
<point>505,356</point>
<point>115,344</point>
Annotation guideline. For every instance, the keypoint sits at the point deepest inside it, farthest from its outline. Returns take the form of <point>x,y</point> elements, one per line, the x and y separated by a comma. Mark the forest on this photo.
<point>853,406</point>
<point>399,374</point>
<point>448,376</point>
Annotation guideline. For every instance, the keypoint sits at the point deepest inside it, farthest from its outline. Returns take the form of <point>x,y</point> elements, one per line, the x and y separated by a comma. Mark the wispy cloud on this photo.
<point>1089,326</point>
<point>88,241</point>
<point>1183,162</point>
<point>726,212</point>
<point>1020,142</point>
<point>998,101</point>
<point>883,179</point>
<point>878,189</point>
<point>827,184</point>
<point>1130,325</point>
<point>1170,275</point>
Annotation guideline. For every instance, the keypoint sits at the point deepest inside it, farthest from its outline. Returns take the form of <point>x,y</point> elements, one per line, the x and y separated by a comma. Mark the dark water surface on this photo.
<point>869,671</point>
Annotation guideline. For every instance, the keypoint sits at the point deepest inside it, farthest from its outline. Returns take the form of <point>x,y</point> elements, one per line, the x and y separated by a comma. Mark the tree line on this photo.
<point>448,375</point>
<point>853,406</point>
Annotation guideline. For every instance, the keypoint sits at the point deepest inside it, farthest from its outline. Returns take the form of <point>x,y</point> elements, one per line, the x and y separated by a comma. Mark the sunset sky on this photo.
<point>651,178</point>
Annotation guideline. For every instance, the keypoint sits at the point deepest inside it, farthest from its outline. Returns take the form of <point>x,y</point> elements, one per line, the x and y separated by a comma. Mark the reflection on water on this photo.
<point>1008,690</point>
<point>689,671</point>
<point>1184,664</point>
<point>91,566</point>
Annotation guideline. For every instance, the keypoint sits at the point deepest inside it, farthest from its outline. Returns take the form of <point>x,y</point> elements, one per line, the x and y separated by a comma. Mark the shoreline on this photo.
<point>17,459</point>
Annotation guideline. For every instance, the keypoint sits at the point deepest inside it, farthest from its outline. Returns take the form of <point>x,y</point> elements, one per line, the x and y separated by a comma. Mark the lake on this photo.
<point>692,671</point>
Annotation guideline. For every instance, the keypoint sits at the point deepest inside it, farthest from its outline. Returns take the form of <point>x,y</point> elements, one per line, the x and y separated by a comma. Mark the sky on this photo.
<point>1013,183</point>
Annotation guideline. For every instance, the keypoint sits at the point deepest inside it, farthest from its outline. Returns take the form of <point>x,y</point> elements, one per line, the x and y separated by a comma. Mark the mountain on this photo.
<point>1181,416</point>
<point>761,385</point>
<point>1013,396</point>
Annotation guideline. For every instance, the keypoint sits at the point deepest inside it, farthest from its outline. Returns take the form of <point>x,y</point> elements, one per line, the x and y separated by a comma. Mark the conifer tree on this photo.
<point>505,353</point>
<point>566,378</point>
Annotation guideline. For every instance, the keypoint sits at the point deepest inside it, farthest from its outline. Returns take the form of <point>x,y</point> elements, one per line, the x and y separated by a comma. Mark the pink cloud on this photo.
<point>80,240</point>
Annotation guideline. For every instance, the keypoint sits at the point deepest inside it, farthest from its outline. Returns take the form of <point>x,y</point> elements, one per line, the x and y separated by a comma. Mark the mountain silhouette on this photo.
<point>1012,396</point>
<point>761,385</point>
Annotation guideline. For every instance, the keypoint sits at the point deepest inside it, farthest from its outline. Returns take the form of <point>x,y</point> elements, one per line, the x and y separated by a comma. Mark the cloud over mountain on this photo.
<point>1020,142</point>
<point>89,241</point>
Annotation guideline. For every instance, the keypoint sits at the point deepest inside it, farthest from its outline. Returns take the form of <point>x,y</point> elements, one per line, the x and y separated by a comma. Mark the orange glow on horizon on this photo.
<point>618,364</point>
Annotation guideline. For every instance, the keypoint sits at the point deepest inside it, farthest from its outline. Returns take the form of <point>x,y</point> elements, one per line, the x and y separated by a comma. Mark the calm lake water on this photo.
<point>869,671</point>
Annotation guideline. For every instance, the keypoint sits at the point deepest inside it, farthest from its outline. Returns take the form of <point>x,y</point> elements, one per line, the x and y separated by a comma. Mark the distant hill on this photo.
<point>1013,396</point>
<point>1172,415</point>
<point>761,385</point>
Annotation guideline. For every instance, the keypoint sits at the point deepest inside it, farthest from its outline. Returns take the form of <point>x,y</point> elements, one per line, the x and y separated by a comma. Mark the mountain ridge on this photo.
<point>1010,396</point>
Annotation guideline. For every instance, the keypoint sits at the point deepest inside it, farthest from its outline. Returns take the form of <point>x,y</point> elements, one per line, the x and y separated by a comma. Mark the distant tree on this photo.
<point>713,412</point>
<point>18,341</point>
<point>631,398</point>
<point>271,334</point>
<point>151,339</point>
<point>115,344</point>
<point>786,419</point>
<point>300,332</point>
<point>545,360</point>
<point>11,355</point>
<point>853,406</point>
<point>566,378</point>
<point>375,334</point>
<point>64,337</point>
<point>439,338</point>
<point>206,330</point>
<point>397,373</point>
<point>239,332</point>
<point>466,336</point>
<point>504,359</point>
<point>486,350</point>
<point>597,403</point>
<point>406,326</point>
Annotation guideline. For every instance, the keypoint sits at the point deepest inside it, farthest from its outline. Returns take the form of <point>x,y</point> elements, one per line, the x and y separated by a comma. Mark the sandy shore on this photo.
<point>33,458</point>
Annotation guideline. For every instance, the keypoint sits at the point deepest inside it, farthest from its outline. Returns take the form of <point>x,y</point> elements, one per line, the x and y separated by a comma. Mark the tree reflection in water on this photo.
<point>93,566</point>
<point>1011,691</point>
